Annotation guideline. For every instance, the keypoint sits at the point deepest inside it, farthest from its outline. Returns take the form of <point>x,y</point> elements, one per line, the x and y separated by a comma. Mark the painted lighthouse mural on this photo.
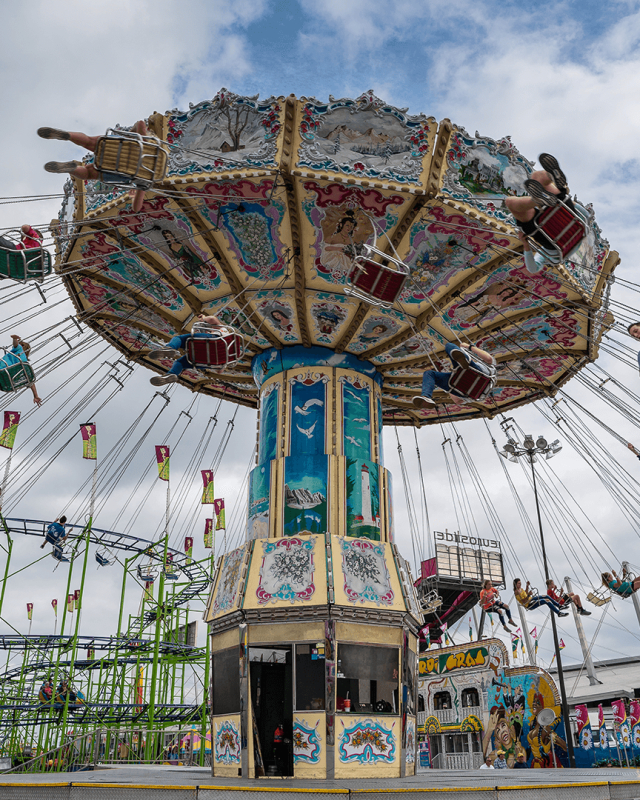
<point>363,499</point>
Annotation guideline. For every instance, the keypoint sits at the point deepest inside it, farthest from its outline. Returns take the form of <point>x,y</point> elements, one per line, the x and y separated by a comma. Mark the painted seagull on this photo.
<point>308,432</point>
<point>353,394</point>
<point>305,408</point>
<point>358,419</point>
<point>353,440</point>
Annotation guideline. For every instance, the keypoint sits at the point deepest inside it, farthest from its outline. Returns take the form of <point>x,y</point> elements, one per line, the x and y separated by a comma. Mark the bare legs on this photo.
<point>524,208</point>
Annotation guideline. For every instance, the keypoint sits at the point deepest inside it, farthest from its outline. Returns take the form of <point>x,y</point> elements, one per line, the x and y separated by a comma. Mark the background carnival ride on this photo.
<point>257,220</point>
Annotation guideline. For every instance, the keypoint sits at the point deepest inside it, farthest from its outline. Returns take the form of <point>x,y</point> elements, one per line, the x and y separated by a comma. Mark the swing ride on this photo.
<point>343,245</point>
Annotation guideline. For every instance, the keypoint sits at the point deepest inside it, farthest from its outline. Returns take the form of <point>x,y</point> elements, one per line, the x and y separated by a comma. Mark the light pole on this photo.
<point>512,451</point>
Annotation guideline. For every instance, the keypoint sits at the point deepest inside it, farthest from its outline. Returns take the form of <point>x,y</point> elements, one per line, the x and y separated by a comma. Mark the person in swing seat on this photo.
<point>461,356</point>
<point>620,586</point>
<point>566,598</point>
<point>88,172</point>
<point>19,353</point>
<point>56,533</point>
<point>203,328</point>
<point>531,601</point>
<point>491,604</point>
<point>546,187</point>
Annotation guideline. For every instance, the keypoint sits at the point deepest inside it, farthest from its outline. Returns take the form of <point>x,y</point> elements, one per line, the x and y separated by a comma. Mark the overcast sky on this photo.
<point>561,77</point>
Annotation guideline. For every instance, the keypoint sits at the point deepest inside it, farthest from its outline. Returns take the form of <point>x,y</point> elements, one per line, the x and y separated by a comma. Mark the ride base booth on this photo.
<point>314,621</point>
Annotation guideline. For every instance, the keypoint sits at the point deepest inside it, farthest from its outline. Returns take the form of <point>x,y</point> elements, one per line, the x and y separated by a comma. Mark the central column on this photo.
<point>319,462</point>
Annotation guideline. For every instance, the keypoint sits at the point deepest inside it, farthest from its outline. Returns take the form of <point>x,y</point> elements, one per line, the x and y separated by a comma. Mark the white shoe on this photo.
<point>164,352</point>
<point>162,380</point>
<point>421,401</point>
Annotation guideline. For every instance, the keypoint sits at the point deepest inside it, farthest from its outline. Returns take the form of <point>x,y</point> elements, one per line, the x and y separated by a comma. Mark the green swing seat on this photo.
<point>33,264</point>
<point>16,376</point>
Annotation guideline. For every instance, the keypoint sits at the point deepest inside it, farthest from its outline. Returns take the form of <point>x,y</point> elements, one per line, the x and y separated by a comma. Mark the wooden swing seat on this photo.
<point>470,382</point>
<point>33,264</point>
<point>562,228</point>
<point>222,347</point>
<point>379,283</point>
<point>136,158</point>
<point>16,376</point>
<point>597,597</point>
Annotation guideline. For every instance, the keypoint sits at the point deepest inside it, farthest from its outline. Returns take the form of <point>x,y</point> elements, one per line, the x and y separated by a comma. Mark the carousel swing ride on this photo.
<point>341,246</point>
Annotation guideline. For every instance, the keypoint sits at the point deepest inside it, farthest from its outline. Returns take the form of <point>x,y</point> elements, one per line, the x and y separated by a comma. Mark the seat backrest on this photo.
<point>470,382</point>
<point>214,351</point>
<point>562,227</point>
<point>16,376</point>
<point>133,157</point>
<point>374,282</point>
<point>25,265</point>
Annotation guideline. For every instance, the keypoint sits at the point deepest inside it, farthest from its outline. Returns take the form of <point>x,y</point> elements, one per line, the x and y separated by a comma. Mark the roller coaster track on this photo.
<point>197,577</point>
<point>98,713</point>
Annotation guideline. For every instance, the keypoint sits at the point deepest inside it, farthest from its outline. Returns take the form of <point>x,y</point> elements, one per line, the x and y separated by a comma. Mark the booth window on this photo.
<point>367,679</point>
<point>441,701</point>
<point>310,677</point>
<point>470,698</point>
<point>226,682</point>
<point>421,702</point>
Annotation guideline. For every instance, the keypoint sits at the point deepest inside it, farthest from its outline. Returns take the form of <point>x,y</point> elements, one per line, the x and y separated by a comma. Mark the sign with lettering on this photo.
<point>441,663</point>
<point>458,538</point>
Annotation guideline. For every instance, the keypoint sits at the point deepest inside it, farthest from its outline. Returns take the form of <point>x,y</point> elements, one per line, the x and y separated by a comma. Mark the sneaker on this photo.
<point>550,164</point>
<point>162,380</point>
<point>421,401</point>
<point>164,352</point>
<point>540,194</point>
<point>515,624</point>
<point>583,612</point>
<point>61,166</point>
<point>460,357</point>
<point>561,614</point>
<point>506,629</point>
<point>53,133</point>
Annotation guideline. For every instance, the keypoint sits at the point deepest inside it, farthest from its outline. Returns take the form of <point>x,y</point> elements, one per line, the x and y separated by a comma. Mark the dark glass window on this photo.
<point>310,678</point>
<point>226,681</point>
<point>367,677</point>
<point>441,700</point>
<point>421,703</point>
<point>470,698</point>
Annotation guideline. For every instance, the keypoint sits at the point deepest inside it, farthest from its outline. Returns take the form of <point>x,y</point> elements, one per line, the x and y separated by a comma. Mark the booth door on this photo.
<point>271,676</point>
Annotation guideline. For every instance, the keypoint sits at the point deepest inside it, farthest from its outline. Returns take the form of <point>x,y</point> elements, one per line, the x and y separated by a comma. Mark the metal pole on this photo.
<point>556,645</point>
<point>527,637</point>
<point>634,596</point>
<point>591,672</point>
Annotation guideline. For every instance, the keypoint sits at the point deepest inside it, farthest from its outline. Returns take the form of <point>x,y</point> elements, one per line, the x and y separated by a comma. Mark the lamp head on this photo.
<point>529,444</point>
<point>541,443</point>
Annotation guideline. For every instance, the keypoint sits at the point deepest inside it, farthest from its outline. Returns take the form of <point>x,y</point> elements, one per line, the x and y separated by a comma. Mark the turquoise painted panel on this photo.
<point>271,362</point>
<point>356,404</point>
<point>268,423</point>
<point>305,494</point>
<point>308,415</point>
<point>363,499</point>
<point>258,518</point>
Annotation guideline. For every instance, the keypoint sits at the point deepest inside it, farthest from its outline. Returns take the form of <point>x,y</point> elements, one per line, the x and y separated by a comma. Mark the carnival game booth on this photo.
<point>314,621</point>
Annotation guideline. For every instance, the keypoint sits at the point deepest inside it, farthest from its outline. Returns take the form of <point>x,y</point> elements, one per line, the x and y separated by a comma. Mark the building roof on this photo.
<point>619,677</point>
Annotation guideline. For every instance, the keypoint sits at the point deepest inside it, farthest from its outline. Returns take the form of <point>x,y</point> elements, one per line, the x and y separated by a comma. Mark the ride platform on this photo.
<point>193,783</point>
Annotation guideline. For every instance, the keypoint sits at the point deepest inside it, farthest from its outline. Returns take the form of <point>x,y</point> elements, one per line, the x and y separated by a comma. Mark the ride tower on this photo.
<point>348,242</point>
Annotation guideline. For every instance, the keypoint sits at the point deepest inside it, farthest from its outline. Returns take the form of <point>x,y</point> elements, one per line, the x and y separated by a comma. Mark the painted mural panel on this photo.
<point>259,487</point>
<point>252,219</point>
<point>329,313</point>
<point>391,530</point>
<point>365,571</point>
<point>381,442</point>
<point>308,415</point>
<point>341,219</point>
<point>305,494</point>
<point>376,328</point>
<point>228,586</point>
<point>482,172</point>
<point>367,741</point>
<point>490,656</point>
<point>277,309</point>
<point>363,498</point>
<point>515,700</point>
<point>364,137</point>
<point>269,407</point>
<point>228,132</point>
<point>410,752</point>
<point>307,741</point>
<point>287,570</point>
<point>226,741</point>
<point>271,362</point>
<point>356,418</point>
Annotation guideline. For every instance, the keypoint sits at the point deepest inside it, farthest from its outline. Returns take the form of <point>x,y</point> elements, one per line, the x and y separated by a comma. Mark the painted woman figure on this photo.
<point>281,320</point>
<point>341,236</point>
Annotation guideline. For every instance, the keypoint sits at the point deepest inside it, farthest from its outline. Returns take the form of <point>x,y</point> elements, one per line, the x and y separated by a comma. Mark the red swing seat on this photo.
<point>470,382</point>
<point>377,282</point>
<point>222,347</point>
<point>561,227</point>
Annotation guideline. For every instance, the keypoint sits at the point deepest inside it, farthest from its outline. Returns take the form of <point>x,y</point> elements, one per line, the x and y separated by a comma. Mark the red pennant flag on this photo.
<point>162,457</point>
<point>9,429</point>
<point>208,534</point>
<point>188,546</point>
<point>207,492</point>
<point>29,610</point>
<point>54,606</point>
<point>89,441</point>
<point>70,603</point>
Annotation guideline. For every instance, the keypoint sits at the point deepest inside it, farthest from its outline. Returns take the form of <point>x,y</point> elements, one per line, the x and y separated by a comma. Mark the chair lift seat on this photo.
<point>16,376</point>
<point>431,602</point>
<point>148,577</point>
<point>377,282</point>
<point>471,382</point>
<point>102,560</point>
<point>58,554</point>
<point>131,156</point>
<point>561,227</point>
<point>33,264</point>
<point>222,347</point>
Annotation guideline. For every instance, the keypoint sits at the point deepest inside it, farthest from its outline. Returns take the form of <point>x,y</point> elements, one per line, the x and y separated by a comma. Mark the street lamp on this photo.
<point>529,448</point>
